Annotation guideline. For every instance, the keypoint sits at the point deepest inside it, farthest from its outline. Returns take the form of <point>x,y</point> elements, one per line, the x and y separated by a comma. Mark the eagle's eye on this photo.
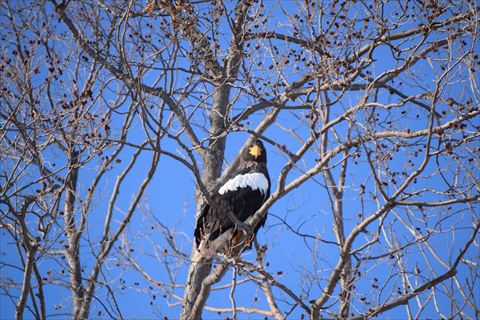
<point>255,151</point>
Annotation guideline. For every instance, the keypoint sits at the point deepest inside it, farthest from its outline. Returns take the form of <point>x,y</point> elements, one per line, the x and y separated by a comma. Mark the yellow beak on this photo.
<point>255,151</point>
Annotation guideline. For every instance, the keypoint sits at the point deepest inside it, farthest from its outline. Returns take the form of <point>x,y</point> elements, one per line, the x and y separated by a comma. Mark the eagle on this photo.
<point>242,195</point>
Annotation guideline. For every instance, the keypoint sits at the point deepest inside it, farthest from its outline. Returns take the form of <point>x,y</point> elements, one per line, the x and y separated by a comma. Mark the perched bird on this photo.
<point>242,195</point>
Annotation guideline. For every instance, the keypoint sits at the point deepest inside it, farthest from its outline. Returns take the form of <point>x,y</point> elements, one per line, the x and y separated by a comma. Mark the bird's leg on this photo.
<point>234,242</point>
<point>237,244</point>
<point>247,229</point>
<point>236,235</point>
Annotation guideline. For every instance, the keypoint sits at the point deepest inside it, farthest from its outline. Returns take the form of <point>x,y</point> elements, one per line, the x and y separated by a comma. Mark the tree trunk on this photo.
<point>73,251</point>
<point>215,154</point>
<point>200,269</point>
<point>197,272</point>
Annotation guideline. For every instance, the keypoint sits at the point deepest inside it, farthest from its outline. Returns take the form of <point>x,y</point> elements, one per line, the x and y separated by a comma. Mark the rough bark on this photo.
<point>72,252</point>
<point>199,270</point>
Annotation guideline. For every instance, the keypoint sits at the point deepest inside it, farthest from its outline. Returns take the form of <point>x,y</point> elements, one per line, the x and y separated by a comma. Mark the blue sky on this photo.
<point>301,264</point>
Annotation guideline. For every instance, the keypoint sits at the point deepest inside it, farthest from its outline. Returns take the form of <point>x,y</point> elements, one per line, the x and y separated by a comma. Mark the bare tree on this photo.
<point>369,111</point>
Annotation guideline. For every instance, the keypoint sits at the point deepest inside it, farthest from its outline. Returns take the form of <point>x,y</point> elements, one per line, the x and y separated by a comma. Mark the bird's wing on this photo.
<point>242,195</point>
<point>213,219</point>
<point>201,223</point>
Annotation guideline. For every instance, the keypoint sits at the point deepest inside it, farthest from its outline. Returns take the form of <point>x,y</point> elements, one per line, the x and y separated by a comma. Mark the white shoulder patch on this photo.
<point>255,180</point>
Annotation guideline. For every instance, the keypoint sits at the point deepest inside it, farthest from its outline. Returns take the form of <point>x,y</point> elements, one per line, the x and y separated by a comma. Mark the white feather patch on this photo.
<point>255,180</point>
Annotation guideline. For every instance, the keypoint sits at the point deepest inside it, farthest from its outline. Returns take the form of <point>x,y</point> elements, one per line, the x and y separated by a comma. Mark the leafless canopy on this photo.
<point>370,114</point>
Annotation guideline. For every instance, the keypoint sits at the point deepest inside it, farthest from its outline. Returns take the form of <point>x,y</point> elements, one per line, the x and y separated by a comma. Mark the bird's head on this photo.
<point>256,152</point>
